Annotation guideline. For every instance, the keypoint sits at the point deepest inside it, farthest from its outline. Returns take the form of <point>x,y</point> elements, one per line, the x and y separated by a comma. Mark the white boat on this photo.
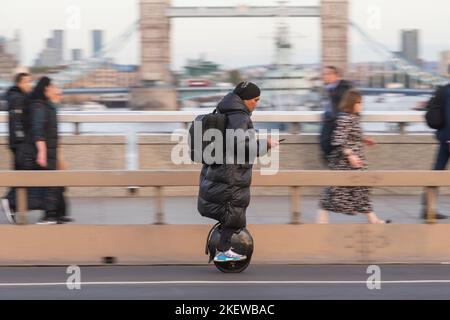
<point>93,106</point>
<point>285,86</point>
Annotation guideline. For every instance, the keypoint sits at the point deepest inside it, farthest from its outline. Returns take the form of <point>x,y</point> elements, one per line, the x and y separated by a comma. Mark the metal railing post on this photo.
<point>77,128</point>
<point>402,127</point>
<point>22,206</point>
<point>159,206</point>
<point>295,205</point>
<point>132,155</point>
<point>295,128</point>
<point>431,204</point>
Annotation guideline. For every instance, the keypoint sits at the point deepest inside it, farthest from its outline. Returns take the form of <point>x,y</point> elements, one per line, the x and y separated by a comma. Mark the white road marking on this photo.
<point>48,284</point>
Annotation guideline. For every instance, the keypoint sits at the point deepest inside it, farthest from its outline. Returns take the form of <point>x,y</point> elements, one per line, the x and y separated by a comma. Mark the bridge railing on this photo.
<point>431,180</point>
<point>294,118</point>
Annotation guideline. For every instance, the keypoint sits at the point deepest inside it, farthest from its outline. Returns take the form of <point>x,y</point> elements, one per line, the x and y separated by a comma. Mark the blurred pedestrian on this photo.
<point>441,101</point>
<point>348,154</point>
<point>335,88</point>
<point>42,152</point>
<point>17,99</point>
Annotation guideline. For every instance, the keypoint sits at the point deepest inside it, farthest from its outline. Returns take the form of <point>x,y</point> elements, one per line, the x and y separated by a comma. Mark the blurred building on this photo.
<point>200,67</point>
<point>410,45</point>
<point>444,64</point>
<point>109,76</point>
<point>97,41</point>
<point>53,53</point>
<point>58,44</point>
<point>8,62</point>
<point>77,54</point>
<point>13,47</point>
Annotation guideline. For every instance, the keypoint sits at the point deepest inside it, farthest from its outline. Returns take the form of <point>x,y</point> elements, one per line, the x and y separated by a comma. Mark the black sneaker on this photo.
<point>65,219</point>
<point>438,216</point>
<point>47,221</point>
<point>8,211</point>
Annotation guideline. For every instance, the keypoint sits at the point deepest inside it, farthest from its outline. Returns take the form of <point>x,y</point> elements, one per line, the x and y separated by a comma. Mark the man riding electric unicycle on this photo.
<point>224,193</point>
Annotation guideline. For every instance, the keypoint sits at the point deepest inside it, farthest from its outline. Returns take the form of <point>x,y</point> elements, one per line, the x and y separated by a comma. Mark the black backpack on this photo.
<point>215,120</point>
<point>435,115</point>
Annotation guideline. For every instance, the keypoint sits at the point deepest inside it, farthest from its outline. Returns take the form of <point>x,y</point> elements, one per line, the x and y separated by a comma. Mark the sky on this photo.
<point>233,42</point>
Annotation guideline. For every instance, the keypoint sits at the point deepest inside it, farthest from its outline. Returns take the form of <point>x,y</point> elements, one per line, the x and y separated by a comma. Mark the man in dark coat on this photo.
<point>17,98</point>
<point>335,87</point>
<point>443,137</point>
<point>224,193</point>
<point>41,147</point>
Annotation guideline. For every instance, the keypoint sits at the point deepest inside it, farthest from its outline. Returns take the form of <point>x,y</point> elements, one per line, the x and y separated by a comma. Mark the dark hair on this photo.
<point>39,90</point>
<point>18,78</point>
<point>335,70</point>
<point>350,99</point>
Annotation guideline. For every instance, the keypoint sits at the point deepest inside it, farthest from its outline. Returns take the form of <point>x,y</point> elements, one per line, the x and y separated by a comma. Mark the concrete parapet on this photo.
<point>303,244</point>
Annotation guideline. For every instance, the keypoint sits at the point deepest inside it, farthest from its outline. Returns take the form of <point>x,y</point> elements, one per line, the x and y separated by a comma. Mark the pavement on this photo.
<point>258,282</point>
<point>263,210</point>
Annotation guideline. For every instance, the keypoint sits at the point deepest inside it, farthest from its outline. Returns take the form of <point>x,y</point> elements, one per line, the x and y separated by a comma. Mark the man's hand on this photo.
<point>41,158</point>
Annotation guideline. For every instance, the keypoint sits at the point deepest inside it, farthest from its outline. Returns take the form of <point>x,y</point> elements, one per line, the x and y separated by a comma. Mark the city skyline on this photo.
<point>190,39</point>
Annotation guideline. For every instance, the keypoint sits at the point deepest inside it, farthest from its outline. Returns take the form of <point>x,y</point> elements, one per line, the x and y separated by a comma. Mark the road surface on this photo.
<point>258,282</point>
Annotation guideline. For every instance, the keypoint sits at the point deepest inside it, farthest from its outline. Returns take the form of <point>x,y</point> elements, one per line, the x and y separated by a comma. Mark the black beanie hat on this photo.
<point>247,90</point>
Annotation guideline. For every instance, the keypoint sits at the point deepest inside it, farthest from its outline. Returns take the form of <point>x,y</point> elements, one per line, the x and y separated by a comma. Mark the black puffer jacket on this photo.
<point>41,124</point>
<point>17,102</point>
<point>224,193</point>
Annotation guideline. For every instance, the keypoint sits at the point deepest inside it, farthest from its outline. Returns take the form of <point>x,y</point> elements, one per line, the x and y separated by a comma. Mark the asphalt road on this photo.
<point>258,282</point>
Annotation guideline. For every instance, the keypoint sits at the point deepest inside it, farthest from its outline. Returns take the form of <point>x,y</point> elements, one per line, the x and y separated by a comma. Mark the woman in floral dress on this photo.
<point>348,154</point>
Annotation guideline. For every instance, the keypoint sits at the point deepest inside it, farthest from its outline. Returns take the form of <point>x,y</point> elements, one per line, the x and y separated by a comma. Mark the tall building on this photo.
<point>8,62</point>
<point>97,41</point>
<point>13,47</point>
<point>53,53</point>
<point>58,44</point>
<point>410,45</point>
<point>444,63</point>
<point>49,43</point>
<point>77,54</point>
<point>49,57</point>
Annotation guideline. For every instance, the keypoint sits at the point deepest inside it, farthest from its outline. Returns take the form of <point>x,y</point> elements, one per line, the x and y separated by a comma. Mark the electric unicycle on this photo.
<point>242,243</point>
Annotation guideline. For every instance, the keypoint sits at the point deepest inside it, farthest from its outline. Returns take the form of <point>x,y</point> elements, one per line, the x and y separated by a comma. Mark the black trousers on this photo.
<point>225,238</point>
<point>442,157</point>
<point>233,221</point>
<point>51,199</point>
<point>11,193</point>
<point>440,164</point>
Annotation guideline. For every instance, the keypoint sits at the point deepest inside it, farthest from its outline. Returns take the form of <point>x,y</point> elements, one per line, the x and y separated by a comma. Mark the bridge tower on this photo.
<point>335,19</point>
<point>156,91</point>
